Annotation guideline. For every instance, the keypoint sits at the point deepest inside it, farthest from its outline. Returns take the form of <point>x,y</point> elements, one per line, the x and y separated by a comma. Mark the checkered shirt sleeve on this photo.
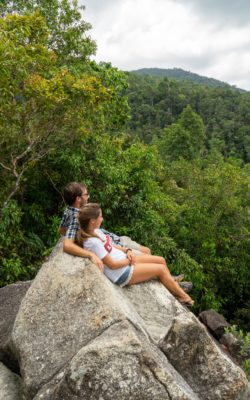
<point>70,222</point>
<point>114,237</point>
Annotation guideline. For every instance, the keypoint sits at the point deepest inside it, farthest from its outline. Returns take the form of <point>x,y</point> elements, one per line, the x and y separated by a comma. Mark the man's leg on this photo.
<point>126,241</point>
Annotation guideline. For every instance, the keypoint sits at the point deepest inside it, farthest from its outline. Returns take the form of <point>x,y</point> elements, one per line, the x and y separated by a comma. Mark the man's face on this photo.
<point>84,197</point>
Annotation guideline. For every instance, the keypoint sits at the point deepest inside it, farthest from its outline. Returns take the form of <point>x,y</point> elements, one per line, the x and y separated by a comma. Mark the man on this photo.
<point>76,195</point>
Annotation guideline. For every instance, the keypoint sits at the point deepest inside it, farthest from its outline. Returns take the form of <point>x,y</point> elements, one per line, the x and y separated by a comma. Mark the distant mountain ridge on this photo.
<point>180,74</point>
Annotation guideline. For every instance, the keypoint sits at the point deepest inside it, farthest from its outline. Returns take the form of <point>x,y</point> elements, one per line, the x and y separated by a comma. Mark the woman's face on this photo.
<point>98,221</point>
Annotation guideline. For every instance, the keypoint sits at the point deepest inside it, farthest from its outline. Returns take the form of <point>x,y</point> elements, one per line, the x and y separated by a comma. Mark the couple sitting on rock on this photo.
<point>122,260</point>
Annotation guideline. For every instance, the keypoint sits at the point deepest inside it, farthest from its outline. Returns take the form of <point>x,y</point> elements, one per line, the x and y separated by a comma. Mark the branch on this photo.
<point>23,154</point>
<point>25,166</point>
<point>14,190</point>
<point>54,186</point>
<point>5,167</point>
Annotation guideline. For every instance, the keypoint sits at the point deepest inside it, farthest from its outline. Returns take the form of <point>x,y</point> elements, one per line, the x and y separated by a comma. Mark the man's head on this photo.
<point>75,194</point>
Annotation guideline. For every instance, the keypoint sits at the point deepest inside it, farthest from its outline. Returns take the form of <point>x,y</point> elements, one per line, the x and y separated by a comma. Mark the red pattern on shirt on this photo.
<point>108,244</point>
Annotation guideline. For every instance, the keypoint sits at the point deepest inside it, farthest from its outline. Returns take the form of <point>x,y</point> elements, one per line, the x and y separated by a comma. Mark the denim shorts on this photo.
<point>126,276</point>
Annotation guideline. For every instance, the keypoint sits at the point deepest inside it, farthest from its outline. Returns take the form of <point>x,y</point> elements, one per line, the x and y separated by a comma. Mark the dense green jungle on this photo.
<point>168,160</point>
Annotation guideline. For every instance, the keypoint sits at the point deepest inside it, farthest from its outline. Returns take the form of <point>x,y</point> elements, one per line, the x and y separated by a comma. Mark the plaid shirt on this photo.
<point>70,222</point>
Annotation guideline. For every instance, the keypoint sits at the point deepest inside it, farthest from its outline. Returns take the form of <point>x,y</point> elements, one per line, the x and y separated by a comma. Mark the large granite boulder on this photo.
<point>208,370</point>
<point>119,364</point>
<point>78,336</point>
<point>10,300</point>
<point>10,384</point>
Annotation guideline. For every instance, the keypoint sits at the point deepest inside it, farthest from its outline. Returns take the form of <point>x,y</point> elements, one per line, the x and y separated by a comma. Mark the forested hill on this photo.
<point>156,103</point>
<point>181,74</point>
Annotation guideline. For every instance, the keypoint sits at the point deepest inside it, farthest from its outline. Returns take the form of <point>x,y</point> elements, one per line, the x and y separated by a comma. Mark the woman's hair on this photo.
<point>85,214</point>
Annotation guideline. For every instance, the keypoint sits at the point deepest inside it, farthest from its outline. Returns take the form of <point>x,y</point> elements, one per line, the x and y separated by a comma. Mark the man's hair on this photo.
<point>71,191</point>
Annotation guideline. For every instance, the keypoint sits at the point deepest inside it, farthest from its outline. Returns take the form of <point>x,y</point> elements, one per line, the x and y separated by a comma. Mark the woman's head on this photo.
<point>90,216</point>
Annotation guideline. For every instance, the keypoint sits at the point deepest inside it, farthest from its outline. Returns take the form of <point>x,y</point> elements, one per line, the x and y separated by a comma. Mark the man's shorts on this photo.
<point>129,243</point>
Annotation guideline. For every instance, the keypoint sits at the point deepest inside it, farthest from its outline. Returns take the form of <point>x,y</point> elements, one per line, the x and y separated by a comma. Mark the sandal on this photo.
<point>187,303</point>
<point>178,278</point>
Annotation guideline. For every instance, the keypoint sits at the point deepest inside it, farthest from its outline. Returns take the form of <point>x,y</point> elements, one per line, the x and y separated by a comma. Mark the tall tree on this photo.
<point>185,138</point>
<point>41,105</point>
<point>68,36</point>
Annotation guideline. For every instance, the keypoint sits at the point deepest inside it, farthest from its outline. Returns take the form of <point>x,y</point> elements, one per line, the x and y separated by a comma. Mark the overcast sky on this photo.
<point>208,37</point>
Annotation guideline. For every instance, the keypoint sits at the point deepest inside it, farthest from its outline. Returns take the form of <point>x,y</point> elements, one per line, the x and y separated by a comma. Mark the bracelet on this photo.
<point>128,250</point>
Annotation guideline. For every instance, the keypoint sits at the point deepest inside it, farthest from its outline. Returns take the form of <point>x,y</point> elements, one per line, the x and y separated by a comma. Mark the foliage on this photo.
<point>67,30</point>
<point>180,74</point>
<point>185,138</point>
<point>41,105</point>
<point>18,249</point>
<point>156,103</point>
<point>213,225</point>
<point>244,341</point>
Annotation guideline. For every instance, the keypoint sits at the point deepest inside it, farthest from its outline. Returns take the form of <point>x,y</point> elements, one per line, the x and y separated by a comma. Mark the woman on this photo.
<point>120,266</point>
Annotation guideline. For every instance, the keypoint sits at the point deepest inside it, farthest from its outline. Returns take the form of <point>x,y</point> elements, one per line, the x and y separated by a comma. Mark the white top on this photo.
<point>103,247</point>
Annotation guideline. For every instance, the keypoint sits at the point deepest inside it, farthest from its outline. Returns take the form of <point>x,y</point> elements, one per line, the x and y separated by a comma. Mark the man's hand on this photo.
<point>97,262</point>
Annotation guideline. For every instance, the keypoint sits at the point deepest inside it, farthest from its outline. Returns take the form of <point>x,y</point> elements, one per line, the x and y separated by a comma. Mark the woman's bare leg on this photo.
<point>144,273</point>
<point>146,258</point>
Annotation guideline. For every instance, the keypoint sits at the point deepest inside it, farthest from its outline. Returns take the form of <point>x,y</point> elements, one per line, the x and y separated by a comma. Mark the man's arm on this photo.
<point>71,248</point>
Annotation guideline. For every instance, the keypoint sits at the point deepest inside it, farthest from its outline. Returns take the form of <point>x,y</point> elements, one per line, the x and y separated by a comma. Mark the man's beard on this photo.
<point>83,202</point>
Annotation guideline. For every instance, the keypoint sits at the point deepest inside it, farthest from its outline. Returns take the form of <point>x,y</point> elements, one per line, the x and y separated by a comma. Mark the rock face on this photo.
<point>78,336</point>
<point>215,322</point>
<point>10,300</point>
<point>198,359</point>
<point>10,384</point>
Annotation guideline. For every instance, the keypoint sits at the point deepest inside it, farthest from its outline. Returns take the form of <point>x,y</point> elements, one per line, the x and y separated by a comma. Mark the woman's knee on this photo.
<point>162,260</point>
<point>162,270</point>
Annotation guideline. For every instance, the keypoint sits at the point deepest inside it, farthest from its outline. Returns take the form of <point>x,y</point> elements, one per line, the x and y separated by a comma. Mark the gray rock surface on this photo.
<point>10,300</point>
<point>78,336</point>
<point>215,322</point>
<point>119,364</point>
<point>10,384</point>
<point>208,370</point>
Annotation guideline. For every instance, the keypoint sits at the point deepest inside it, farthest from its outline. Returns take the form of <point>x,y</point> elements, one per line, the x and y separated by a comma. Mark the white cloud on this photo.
<point>174,33</point>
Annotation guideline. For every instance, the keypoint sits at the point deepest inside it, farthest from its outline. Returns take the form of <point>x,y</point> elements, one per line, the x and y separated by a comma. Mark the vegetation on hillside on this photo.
<point>180,74</point>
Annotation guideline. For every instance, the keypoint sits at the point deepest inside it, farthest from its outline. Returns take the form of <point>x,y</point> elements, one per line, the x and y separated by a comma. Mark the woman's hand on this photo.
<point>97,262</point>
<point>130,256</point>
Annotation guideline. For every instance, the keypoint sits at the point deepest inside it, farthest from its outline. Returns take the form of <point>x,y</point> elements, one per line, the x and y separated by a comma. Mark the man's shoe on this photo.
<point>186,286</point>
<point>179,278</point>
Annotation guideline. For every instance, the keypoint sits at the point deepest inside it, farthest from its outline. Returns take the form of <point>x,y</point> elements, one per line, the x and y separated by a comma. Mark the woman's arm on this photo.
<point>117,246</point>
<point>112,264</point>
<point>126,251</point>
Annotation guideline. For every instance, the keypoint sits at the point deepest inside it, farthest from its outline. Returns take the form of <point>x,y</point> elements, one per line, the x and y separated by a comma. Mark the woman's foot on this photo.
<point>186,301</point>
